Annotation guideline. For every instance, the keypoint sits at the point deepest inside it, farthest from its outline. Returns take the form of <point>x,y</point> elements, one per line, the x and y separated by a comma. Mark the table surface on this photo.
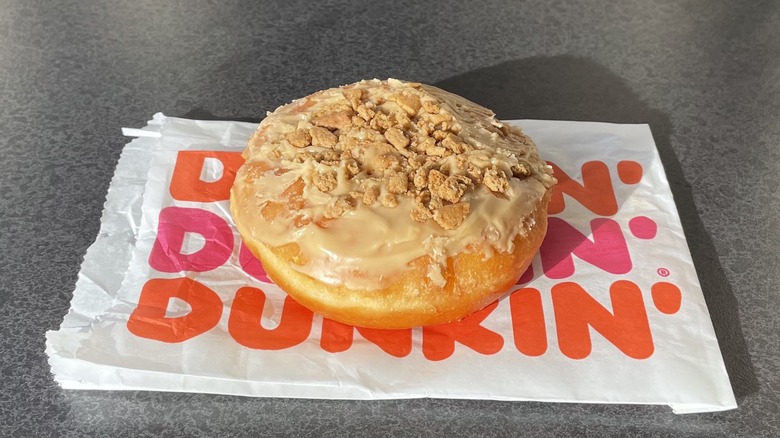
<point>704,74</point>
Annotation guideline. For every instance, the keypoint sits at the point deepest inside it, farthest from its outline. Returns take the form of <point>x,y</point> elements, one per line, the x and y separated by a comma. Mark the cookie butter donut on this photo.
<point>391,204</point>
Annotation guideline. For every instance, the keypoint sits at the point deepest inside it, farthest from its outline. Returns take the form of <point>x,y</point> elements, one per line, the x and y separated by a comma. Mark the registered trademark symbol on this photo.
<point>663,272</point>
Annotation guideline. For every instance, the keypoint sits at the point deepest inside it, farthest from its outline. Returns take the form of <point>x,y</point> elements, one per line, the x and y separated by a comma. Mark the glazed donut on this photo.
<point>391,204</point>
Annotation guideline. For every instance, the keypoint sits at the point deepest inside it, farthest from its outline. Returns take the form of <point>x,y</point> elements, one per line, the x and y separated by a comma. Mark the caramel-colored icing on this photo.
<point>364,244</point>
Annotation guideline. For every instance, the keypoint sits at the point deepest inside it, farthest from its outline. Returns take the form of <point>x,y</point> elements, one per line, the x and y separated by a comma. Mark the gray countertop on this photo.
<point>704,74</point>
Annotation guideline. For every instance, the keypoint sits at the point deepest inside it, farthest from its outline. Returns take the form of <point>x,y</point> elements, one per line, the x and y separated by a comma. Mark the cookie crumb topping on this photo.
<point>381,141</point>
<point>369,177</point>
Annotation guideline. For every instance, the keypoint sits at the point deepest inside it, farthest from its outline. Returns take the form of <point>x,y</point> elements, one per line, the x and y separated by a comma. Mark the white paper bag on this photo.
<point>610,312</point>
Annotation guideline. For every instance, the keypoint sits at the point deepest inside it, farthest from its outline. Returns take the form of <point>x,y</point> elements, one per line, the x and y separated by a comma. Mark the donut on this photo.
<point>391,204</point>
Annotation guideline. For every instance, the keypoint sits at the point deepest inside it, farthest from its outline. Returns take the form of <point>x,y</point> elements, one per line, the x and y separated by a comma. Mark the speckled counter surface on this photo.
<point>704,74</point>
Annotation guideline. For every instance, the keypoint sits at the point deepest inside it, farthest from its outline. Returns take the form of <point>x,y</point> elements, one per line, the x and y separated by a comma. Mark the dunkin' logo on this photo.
<point>202,177</point>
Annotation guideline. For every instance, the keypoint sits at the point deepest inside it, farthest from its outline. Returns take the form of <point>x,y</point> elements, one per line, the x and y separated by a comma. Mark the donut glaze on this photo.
<point>391,204</point>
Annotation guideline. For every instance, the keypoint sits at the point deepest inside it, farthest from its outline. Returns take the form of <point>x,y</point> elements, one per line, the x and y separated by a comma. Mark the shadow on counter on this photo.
<point>569,88</point>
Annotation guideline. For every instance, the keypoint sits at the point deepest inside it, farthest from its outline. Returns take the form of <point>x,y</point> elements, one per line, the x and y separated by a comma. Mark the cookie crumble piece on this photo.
<point>451,216</point>
<point>299,138</point>
<point>337,206</point>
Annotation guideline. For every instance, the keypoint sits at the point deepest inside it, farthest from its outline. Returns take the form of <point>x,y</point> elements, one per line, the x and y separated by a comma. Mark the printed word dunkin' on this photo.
<point>626,327</point>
